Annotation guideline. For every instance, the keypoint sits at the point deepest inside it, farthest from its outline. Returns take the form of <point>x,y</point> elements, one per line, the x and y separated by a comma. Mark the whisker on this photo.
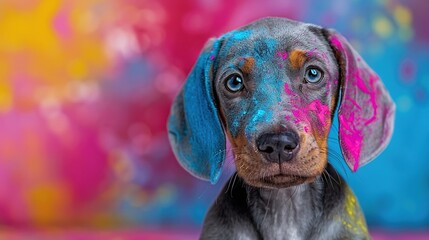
<point>324,176</point>
<point>339,158</point>
<point>235,178</point>
<point>332,178</point>
<point>267,207</point>
<point>229,185</point>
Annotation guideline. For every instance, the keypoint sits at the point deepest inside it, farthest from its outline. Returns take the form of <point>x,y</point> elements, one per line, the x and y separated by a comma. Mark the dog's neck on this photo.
<point>293,209</point>
<point>289,213</point>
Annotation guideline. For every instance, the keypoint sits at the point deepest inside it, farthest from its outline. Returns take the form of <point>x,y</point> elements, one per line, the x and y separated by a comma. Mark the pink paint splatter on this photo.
<point>315,107</point>
<point>372,94</point>
<point>351,114</point>
<point>351,119</point>
<point>336,43</point>
<point>288,91</point>
<point>352,101</point>
<point>302,113</point>
<point>351,137</point>
<point>321,111</point>
<point>61,24</point>
<point>315,52</point>
<point>306,129</point>
<point>283,55</point>
<point>312,52</point>
<point>212,57</point>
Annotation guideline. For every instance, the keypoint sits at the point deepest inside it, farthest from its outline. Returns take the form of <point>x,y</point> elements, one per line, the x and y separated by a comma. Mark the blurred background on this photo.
<point>85,91</point>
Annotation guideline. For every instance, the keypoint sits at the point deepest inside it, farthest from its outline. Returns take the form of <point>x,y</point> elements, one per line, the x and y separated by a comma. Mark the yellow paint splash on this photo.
<point>382,26</point>
<point>403,18</point>
<point>31,44</point>
<point>5,96</point>
<point>47,203</point>
<point>353,219</point>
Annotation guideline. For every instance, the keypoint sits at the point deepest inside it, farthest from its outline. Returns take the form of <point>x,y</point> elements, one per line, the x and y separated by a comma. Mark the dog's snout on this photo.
<point>278,147</point>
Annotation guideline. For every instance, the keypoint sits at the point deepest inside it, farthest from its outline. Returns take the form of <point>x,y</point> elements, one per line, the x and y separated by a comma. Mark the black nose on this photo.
<point>278,147</point>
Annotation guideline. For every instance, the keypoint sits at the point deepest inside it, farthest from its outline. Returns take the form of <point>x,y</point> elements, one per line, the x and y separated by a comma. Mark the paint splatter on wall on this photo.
<point>86,87</point>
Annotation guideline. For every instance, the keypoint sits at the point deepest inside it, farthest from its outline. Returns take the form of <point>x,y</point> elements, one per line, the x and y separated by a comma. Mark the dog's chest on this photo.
<point>281,227</point>
<point>285,214</point>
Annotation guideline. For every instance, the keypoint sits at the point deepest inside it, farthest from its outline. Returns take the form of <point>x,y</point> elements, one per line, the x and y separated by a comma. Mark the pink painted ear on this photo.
<point>366,112</point>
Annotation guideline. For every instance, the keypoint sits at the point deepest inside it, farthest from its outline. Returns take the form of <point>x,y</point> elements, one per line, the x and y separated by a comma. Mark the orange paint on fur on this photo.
<point>297,58</point>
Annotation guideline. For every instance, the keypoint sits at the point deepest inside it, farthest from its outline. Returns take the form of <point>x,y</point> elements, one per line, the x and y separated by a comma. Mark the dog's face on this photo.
<point>272,87</point>
<point>276,95</point>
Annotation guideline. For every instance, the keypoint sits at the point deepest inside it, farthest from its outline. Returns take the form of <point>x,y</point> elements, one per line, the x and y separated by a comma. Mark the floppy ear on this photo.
<point>366,111</point>
<point>194,127</point>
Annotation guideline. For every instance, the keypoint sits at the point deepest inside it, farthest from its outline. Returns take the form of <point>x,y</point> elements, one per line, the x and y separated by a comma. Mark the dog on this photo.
<point>272,88</point>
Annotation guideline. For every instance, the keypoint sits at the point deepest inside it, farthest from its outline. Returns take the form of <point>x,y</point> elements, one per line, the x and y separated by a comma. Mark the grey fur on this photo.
<point>307,211</point>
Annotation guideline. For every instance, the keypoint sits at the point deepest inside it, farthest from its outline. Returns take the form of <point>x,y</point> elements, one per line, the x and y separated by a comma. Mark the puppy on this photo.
<point>272,87</point>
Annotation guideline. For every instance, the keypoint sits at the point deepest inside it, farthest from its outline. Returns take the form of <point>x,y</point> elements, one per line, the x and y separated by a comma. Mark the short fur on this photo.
<point>303,197</point>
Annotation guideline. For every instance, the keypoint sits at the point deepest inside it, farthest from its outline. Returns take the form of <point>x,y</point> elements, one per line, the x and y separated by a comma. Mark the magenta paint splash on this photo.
<point>61,24</point>
<point>283,55</point>
<point>370,92</point>
<point>351,116</point>
<point>312,52</point>
<point>360,91</point>
<point>320,110</point>
<point>336,43</point>
<point>351,138</point>
<point>302,114</point>
<point>315,52</point>
<point>288,91</point>
<point>316,108</point>
<point>306,129</point>
<point>350,119</point>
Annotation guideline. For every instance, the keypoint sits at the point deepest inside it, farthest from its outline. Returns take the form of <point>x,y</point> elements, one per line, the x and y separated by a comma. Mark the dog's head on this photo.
<point>272,87</point>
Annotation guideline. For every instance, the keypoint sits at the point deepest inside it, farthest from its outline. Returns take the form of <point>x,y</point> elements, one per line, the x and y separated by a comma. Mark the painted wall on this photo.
<point>86,86</point>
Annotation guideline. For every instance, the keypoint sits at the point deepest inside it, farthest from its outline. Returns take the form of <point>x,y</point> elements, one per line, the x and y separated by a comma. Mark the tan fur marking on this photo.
<point>248,65</point>
<point>297,58</point>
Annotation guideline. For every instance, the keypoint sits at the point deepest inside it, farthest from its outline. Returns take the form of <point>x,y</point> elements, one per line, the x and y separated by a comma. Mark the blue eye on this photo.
<point>313,75</point>
<point>234,83</point>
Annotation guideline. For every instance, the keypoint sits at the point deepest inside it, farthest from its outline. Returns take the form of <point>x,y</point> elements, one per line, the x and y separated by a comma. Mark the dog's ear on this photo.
<point>366,111</point>
<point>194,128</point>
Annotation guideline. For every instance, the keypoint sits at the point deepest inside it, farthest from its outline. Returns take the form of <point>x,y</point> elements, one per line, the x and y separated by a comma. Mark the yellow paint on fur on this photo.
<point>353,219</point>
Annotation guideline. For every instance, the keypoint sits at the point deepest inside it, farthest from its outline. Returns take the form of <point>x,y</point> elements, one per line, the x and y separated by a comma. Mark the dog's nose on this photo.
<point>278,147</point>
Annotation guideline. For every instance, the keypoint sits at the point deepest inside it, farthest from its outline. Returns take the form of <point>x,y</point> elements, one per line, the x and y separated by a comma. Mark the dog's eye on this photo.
<point>313,75</point>
<point>234,83</point>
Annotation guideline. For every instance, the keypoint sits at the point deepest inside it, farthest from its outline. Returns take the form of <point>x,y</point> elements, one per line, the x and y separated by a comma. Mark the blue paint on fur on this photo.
<point>239,34</point>
<point>259,114</point>
<point>195,131</point>
<point>259,117</point>
<point>272,45</point>
<point>233,38</point>
<point>236,123</point>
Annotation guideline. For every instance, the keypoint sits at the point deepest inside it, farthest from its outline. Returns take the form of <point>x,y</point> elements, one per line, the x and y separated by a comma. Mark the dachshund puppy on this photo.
<point>272,87</point>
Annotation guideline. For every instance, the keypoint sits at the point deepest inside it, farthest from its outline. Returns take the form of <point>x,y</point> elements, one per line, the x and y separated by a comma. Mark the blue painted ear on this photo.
<point>194,127</point>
